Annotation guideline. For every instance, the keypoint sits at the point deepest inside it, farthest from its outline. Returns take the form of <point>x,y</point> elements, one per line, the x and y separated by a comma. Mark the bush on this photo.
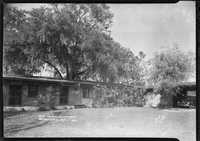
<point>167,90</point>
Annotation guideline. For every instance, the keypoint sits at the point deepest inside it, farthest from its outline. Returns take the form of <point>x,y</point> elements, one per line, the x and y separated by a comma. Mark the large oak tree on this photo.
<point>73,39</point>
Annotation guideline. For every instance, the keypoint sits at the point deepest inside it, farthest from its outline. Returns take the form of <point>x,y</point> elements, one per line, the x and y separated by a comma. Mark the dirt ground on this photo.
<point>107,122</point>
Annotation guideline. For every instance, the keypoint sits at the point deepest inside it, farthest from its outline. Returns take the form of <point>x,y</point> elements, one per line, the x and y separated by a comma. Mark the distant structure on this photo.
<point>185,97</point>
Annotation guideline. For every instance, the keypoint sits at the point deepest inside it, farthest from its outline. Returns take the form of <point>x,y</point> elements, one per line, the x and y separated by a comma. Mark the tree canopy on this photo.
<point>73,39</point>
<point>171,64</point>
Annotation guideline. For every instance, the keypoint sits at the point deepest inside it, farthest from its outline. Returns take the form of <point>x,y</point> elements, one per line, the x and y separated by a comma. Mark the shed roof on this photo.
<point>186,83</point>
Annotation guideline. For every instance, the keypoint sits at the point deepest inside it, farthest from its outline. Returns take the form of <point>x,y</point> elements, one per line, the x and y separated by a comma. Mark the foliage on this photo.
<point>116,96</point>
<point>170,64</point>
<point>168,67</point>
<point>165,87</point>
<point>167,90</point>
<point>112,63</point>
<point>54,35</point>
<point>15,55</point>
<point>73,39</point>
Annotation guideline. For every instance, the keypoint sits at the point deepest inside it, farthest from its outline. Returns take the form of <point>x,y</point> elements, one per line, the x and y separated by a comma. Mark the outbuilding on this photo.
<point>25,91</point>
<point>185,95</point>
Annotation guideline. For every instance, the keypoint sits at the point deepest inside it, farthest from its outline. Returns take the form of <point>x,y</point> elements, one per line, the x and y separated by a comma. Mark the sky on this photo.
<point>150,27</point>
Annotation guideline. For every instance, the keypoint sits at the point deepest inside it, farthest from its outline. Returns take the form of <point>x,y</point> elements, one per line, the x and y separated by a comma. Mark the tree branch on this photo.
<point>55,68</point>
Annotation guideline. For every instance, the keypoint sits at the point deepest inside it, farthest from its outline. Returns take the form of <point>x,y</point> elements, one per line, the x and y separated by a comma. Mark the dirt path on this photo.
<point>117,122</point>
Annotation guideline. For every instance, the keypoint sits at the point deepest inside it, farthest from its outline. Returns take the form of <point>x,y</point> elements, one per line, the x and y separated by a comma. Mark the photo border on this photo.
<point>106,1</point>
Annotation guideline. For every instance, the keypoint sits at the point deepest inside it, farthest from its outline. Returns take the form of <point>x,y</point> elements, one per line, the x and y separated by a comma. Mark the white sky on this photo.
<point>149,27</point>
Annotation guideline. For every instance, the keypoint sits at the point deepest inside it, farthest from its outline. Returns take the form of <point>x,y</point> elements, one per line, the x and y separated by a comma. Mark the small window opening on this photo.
<point>32,91</point>
<point>86,93</point>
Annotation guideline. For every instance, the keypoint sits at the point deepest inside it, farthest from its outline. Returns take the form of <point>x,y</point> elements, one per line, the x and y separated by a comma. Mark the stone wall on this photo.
<point>53,90</point>
<point>51,93</point>
<point>57,91</point>
<point>28,101</point>
<point>42,90</point>
<point>88,101</point>
<point>75,96</point>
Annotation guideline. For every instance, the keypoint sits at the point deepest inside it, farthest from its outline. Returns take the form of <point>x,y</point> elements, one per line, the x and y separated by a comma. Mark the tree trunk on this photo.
<point>56,69</point>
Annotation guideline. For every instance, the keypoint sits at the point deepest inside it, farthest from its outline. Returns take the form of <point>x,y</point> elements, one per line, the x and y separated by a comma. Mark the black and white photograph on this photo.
<point>99,70</point>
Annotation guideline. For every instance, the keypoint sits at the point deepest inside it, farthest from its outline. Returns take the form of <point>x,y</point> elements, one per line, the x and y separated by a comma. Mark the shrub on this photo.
<point>167,90</point>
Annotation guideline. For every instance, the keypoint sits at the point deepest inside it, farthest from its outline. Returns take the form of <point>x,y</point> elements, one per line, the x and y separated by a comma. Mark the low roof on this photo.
<point>35,79</point>
<point>60,81</point>
<point>176,84</point>
<point>186,83</point>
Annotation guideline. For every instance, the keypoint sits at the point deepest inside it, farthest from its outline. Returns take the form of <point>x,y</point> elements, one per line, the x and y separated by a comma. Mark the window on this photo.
<point>32,90</point>
<point>85,93</point>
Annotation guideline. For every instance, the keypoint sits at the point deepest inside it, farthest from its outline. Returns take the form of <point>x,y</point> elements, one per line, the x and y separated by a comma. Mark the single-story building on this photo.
<point>25,91</point>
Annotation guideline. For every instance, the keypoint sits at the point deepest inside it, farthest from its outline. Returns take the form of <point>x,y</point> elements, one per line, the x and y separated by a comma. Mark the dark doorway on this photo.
<point>174,101</point>
<point>64,95</point>
<point>15,95</point>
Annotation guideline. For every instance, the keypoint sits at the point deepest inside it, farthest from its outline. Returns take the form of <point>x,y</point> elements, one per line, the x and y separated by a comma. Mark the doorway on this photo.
<point>15,95</point>
<point>64,95</point>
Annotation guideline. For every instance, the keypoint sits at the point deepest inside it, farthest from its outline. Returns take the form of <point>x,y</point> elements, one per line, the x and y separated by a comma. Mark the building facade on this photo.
<point>23,91</point>
<point>28,91</point>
